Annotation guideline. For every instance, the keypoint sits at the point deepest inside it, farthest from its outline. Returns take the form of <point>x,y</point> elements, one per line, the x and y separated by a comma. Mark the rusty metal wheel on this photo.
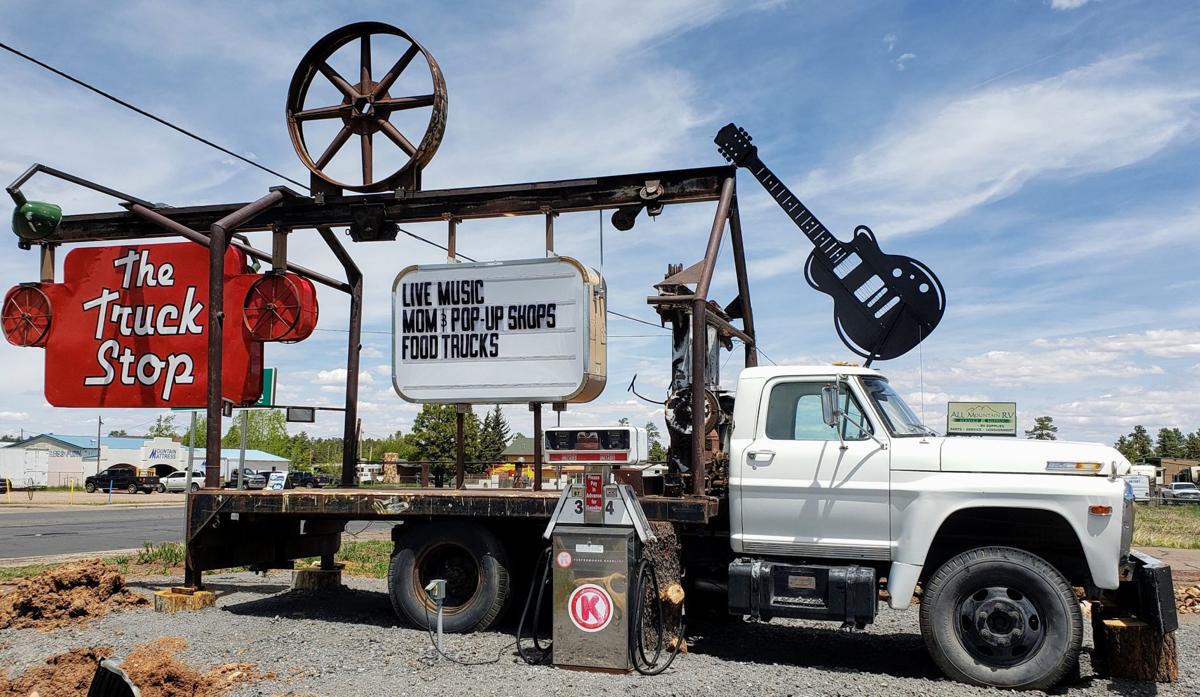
<point>366,107</point>
<point>26,316</point>
<point>272,308</point>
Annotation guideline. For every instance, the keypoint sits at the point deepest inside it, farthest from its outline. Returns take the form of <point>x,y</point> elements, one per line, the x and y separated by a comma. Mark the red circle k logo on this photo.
<point>590,607</point>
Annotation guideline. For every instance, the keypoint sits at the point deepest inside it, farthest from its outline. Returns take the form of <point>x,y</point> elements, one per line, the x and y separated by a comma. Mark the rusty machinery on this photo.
<point>376,208</point>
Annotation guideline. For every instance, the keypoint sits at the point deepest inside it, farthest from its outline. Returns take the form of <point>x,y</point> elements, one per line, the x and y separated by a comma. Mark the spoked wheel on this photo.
<point>280,307</point>
<point>26,316</point>
<point>366,106</point>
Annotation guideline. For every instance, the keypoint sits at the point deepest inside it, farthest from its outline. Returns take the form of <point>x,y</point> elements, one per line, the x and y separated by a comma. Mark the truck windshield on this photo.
<point>900,419</point>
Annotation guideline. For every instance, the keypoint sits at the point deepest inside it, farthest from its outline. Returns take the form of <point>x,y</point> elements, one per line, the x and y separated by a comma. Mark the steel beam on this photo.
<point>573,195</point>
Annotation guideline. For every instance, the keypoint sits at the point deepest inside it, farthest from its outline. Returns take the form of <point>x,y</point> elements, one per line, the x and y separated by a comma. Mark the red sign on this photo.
<point>593,494</point>
<point>129,329</point>
<point>563,559</point>
<point>590,607</point>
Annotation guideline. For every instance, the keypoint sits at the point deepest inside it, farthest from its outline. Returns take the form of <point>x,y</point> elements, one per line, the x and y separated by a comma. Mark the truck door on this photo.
<point>804,493</point>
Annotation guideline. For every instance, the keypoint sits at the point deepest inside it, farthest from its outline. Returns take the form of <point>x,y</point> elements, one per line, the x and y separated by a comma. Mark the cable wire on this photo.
<point>147,114</point>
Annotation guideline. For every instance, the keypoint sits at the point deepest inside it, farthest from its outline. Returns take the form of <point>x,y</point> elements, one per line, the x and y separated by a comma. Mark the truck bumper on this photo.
<point>1146,590</point>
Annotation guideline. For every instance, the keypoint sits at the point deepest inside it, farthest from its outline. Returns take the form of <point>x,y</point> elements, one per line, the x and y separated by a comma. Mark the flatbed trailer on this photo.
<point>271,529</point>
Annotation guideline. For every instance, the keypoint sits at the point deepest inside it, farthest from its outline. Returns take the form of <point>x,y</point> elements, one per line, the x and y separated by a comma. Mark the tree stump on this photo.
<point>1129,648</point>
<point>664,555</point>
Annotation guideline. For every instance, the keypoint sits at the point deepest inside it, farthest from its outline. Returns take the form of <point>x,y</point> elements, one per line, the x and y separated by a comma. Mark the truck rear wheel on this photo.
<point>132,488</point>
<point>469,557</point>
<point>1001,617</point>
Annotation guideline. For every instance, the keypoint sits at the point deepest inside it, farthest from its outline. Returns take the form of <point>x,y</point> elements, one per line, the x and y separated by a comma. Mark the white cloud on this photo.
<point>1160,343</point>
<point>902,59</point>
<point>13,416</point>
<point>889,40</point>
<point>937,165</point>
<point>1067,4</point>
<point>337,376</point>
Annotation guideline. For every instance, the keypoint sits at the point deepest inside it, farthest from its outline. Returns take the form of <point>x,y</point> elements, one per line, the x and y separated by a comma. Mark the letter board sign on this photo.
<point>512,331</point>
<point>129,329</point>
<point>981,418</point>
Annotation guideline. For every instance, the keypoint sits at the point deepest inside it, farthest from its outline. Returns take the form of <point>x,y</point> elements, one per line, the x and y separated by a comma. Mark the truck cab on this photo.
<point>830,470</point>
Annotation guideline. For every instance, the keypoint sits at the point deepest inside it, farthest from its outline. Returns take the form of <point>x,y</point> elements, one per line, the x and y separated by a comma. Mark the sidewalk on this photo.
<point>20,499</point>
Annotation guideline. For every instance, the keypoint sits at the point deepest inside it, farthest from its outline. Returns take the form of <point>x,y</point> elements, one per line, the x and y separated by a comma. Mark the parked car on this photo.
<point>177,481</point>
<point>120,479</point>
<point>305,479</point>
<point>250,479</point>
<point>1181,492</point>
<point>323,480</point>
<point>1139,484</point>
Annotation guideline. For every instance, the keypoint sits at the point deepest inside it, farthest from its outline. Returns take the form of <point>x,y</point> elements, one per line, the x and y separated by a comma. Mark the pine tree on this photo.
<point>657,453</point>
<point>1191,446</point>
<point>1169,443</point>
<point>493,436</point>
<point>1123,446</point>
<point>433,432</point>
<point>1043,429</point>
<point>1140,446</point>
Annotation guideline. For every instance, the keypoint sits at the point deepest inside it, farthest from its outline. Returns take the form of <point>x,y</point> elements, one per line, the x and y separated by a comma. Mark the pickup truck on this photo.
<point>250,479</point>
<point>1180,492</point>
<point>826,489</point>
<point>119,479</point>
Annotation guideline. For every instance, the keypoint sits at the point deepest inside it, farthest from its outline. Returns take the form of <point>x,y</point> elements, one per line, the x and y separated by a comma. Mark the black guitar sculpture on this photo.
<point>883,304</point>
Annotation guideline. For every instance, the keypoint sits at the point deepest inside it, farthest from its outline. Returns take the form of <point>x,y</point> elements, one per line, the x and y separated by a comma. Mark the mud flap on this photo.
<point>1149,593</point>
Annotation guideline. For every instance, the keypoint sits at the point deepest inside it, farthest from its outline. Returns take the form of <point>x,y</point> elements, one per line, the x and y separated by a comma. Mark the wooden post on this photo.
<point>1129,648</point>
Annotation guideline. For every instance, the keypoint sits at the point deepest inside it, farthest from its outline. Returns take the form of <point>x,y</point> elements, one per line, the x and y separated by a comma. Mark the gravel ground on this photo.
<point>349,643</point>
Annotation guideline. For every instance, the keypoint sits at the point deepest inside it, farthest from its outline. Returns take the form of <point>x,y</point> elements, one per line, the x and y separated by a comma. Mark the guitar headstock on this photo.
<point>734,144</point>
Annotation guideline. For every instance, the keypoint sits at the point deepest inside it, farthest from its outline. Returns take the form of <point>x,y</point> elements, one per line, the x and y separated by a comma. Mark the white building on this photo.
<point>51,459</point>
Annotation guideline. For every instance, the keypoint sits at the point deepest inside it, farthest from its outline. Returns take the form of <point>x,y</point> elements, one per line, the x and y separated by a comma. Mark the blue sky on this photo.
<point>1038,155</point>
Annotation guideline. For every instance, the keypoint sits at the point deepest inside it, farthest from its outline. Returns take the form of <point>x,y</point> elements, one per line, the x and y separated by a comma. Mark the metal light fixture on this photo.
<point>34,221</point>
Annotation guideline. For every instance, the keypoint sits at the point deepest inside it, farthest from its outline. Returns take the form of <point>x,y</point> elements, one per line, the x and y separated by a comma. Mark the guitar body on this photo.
<point>883,305</point>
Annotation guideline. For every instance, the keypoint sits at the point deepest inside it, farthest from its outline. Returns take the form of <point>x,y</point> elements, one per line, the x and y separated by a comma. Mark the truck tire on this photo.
<point>1001,617</point>
<point>195,487</point>
<point>162,488</point>
<point>474,563</point>
<point>90,487</point>
<point>132,488</point>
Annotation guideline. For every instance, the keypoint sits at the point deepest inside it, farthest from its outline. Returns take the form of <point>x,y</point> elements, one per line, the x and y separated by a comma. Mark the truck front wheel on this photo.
<point>472,561</point>
<point>1001,617</point>
<point>90,488</point>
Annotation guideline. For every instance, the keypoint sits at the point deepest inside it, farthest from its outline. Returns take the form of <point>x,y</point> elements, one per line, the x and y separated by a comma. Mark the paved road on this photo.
<point>28,533</point>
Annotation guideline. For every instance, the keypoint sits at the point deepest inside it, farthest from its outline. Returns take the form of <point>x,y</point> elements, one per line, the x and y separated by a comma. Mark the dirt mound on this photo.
<point>65,675</point>
<point>154,667</point>
<point>157,671</point>
<point>67,594</point>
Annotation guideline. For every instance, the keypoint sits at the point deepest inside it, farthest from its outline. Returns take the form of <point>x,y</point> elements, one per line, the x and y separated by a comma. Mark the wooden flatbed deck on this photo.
<point>383,504</point>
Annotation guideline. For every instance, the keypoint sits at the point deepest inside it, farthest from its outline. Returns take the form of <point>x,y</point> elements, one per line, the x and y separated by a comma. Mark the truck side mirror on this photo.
<point>829,406</point>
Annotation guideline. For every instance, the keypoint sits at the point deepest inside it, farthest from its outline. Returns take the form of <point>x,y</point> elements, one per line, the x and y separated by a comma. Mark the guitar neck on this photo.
<point>827,245</point>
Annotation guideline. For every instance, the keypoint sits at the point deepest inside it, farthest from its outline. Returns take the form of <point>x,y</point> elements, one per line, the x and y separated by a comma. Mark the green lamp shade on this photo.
<point>36,220</point>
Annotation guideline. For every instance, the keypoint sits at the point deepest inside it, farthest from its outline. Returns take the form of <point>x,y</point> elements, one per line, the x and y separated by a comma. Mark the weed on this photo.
<point>1167,526</point>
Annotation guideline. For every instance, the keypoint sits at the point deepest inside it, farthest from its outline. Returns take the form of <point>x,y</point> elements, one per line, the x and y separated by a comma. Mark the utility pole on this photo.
<point>99,424</point>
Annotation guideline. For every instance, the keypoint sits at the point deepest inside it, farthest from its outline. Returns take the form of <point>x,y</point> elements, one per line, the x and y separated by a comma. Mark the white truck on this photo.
<point>830,465</point>
<point>833,492</point>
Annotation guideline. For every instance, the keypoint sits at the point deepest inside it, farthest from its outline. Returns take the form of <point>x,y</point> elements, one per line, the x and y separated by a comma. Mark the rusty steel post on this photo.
<point>353,347</point>
<point>743,281</point>
<point>536,408</point>
<point>699,353</point>
<point>218,237</point>
<point>460,445</point>
<point>700,333</point>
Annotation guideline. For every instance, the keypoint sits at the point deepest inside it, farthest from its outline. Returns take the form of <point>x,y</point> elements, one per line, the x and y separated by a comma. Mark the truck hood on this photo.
<point>1027,456</point>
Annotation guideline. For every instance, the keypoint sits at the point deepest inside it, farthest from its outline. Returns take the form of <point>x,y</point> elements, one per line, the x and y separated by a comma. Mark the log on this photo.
<point>673,594</point>
<point>1129,648</point>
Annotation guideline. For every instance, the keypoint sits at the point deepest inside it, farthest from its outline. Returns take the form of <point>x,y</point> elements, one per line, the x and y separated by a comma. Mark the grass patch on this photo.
<point>166,555</point>
<point>1167,526</point>
<point>361,558</point>
<point>18,572</point>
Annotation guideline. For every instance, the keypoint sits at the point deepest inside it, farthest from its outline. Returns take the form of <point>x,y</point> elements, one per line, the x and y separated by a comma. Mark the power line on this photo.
<point>148,115</point>
<point>636,319</point>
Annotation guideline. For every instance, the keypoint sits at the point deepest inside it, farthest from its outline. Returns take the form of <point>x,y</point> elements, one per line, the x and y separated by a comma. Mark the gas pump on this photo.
<point>598,580</point>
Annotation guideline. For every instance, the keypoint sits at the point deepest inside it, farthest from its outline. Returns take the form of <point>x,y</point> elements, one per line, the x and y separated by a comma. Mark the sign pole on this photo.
<point>187,483</point>
<point>536,408</point>
<point>460,445</point>
<point>242,450</point>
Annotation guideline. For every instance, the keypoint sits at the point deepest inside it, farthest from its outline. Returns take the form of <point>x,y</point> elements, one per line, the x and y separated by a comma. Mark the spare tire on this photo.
<point>474,564</point>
